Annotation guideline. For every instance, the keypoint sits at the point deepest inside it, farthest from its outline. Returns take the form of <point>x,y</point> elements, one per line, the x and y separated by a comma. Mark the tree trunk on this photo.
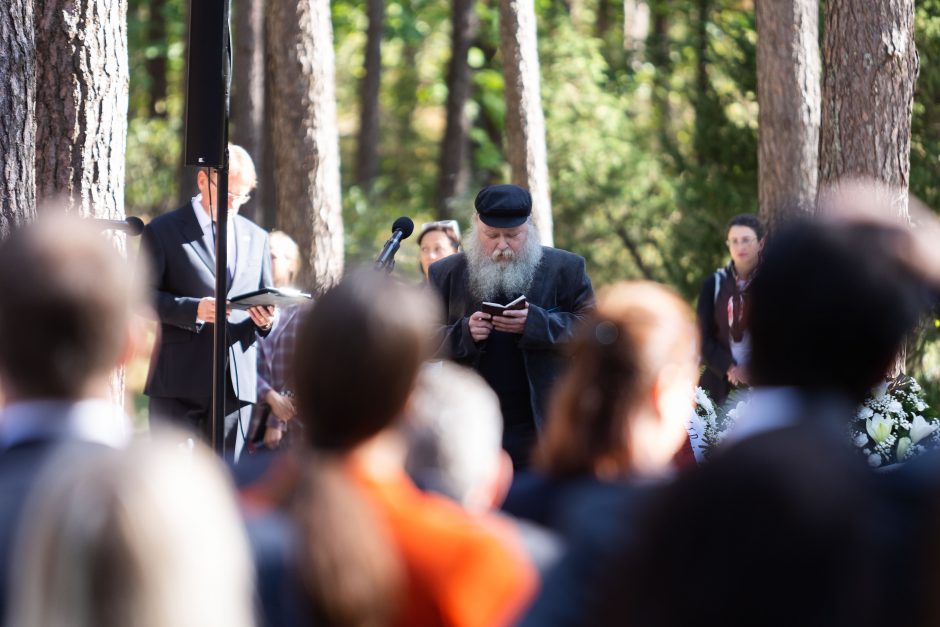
<point>367,159</point>
<point>455,147</point>
<point>788,75</point>
<point>17,116</point>
<point>248,112</point>
<point>870,67</point>
<point>636,28</point>
<point>81,104</point>
<point>156,66</point>
<point>306,164</point>
<point>525,123</point>
<point>81,111</point>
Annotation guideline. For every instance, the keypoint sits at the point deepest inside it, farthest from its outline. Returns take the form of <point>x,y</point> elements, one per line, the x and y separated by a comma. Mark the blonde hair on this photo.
<point>147,537</point>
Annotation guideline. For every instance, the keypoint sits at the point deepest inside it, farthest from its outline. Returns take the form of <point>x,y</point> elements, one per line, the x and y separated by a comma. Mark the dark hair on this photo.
<point>451,236</point>
<point>831,306</point>
<point>67,300</point>
<point>638,328</point>
<point>749,220</point>
<point>357,357</point>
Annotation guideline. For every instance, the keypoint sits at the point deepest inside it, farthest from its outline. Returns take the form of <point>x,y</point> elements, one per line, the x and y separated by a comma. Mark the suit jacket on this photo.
<point>183,272</point>
<point>559,297</point>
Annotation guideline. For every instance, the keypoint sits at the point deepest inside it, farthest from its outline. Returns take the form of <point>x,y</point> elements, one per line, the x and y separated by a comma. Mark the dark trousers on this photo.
<point>519,441</point>
<point>195,416</point>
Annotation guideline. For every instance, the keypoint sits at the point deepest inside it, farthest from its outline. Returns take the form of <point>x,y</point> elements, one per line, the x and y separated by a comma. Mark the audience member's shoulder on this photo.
<point>447,265</point>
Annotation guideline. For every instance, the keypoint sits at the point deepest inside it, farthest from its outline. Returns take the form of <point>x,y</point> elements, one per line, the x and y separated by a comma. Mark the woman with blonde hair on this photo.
<point>149,537</point>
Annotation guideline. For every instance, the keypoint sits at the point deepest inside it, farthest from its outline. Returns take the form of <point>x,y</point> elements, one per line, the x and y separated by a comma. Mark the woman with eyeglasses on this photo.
<point>436,241</point>
<point>722,310</point>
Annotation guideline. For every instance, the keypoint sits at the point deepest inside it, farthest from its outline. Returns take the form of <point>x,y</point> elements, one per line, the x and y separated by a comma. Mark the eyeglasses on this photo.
<point>744,241</point>
<point>441,225</point>
<point>239,199</point>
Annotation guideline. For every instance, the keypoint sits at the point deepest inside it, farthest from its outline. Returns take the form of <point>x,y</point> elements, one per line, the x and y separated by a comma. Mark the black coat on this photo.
<point>183,271</point>
<point>559,297</point>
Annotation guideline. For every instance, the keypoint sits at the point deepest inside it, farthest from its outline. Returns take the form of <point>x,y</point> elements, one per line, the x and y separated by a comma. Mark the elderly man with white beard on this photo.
<point>518,352</point>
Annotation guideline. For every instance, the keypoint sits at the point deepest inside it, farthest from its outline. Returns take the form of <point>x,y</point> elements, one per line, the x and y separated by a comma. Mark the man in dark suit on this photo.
<point>66,321</point>
<point>181,246</point>
<point>519,351</point>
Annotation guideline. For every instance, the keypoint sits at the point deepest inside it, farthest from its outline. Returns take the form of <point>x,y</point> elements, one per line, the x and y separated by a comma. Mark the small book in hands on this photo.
<point>495,309</point>
<point>267,297</point>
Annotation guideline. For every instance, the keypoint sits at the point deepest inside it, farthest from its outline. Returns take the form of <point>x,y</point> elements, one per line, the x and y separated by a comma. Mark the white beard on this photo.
<point>491,276</point>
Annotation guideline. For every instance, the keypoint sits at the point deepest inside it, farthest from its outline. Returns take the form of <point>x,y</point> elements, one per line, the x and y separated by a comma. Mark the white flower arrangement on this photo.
<point>894,423</point>
<point>891,426</point>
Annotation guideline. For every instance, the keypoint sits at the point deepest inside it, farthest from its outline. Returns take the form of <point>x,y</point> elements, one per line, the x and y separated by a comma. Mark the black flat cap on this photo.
<point>503,206</point>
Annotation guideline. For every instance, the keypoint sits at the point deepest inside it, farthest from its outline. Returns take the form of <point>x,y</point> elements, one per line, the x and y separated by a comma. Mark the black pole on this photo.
<point>220,354</point>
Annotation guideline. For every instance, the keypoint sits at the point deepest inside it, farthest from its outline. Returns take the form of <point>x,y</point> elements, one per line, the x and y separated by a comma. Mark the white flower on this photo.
<point>920,429</point>
<point>895,407</point>
<point>861,440</point>
<point>874,460</point>
<point>735,412</point>
<point>903,445</point>
<point>701,398</point>
<point>920,405</point>
<point>879,427</point>
<point>865,413</point>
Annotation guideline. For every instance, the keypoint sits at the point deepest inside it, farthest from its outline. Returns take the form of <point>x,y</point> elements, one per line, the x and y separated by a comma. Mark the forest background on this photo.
<point>651,127</point>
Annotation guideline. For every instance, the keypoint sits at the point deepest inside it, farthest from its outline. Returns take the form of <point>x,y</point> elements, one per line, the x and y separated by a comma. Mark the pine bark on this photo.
<point>81,104</point>
<point>455,146</point>
<point>525,121</point>
<point>367,158</point>
<point>306,144</point>
<point>870,66</point>
<point>248,112</point>
<point>17,116</point>
<point>788,95</point>
<point>636,28</point>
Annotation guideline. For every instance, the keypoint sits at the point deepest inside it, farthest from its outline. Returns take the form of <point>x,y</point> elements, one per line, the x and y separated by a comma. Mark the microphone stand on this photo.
<point>220,352</point>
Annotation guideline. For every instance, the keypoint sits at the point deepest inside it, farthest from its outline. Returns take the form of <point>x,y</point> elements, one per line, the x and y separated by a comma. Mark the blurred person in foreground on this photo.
<point>273,416</point>
<point>787,521</point>
<point>436,241</point>
<point>518,352</point>
<point>454,431</point>
<point>67,320</point>
<point>722,310</point>
<point>181,248</point>
<point>616,421</point>
<point>149,536</point>
<point>373,549</point>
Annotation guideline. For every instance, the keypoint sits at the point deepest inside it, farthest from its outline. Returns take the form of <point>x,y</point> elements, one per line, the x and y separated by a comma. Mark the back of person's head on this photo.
<point>749,220</point>
<point>357,357</point>
<point>241,165</point>
<point>149,536</point>
<point>831,306</point>
<point>454,430</point>
<point>67,302</point>
<point>636,356</point>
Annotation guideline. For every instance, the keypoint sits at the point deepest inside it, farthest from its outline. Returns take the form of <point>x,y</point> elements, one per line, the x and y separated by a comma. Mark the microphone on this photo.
<point>132,225</point>
<point>401,229</point>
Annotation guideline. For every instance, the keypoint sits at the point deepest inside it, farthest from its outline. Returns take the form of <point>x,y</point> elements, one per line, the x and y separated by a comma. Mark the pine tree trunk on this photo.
<point>788,93</point>
<point>81,111</point>
<point>306,144</point>
<point>525,122</point>
<point>367,158</point>
<point>81,104</point>
<point>455,146</point>
<point>248,112</point>
<point>17,116</point>
<point>636,27</point>
<point>870,68</point>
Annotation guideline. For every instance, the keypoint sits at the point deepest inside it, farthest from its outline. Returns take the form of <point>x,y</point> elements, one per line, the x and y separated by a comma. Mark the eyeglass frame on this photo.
<point>241,199</point>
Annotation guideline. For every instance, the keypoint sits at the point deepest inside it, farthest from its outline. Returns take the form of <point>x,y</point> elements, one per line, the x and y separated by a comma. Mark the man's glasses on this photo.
<point>240,199</point>
<point>441,225</point>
